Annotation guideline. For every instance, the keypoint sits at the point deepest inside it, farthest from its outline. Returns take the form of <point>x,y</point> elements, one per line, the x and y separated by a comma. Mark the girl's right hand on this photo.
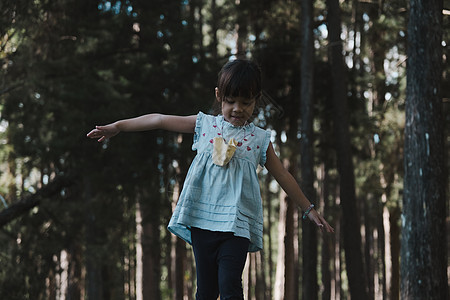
<point>321,223</point>
<point>103,132</point>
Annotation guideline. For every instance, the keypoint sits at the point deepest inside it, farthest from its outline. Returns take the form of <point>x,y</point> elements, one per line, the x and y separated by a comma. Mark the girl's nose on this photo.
<point>237,107</point>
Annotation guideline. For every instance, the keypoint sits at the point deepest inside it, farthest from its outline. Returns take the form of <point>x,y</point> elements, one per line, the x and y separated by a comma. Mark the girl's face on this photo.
<point>237,110</point>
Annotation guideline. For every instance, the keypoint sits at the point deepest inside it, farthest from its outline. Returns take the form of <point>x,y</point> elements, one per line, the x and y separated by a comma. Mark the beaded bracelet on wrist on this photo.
<point>308,211</point>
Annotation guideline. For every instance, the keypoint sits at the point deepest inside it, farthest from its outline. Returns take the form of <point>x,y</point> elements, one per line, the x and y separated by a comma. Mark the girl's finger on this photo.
<point>329,228</point>
<point>323,224</point>
<point>321,227</point>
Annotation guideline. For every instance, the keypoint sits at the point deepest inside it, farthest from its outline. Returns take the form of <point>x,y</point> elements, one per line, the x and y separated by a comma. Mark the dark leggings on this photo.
<point>220,259</point>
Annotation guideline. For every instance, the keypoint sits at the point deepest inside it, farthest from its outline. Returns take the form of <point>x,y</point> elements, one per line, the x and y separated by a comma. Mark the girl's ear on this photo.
<point>217,94</point>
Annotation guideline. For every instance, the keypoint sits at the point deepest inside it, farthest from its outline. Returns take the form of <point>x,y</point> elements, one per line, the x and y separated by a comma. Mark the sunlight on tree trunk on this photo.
<point>139,255</point>
<point>336,287</point>
<point>268,248</point>
<point>387,249</point>
<point>246,277</point>
<point>177,254</point>
<point>278,293</point>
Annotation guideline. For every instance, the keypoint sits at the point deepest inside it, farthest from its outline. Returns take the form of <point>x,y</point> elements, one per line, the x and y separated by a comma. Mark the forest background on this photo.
<point>82,220</point>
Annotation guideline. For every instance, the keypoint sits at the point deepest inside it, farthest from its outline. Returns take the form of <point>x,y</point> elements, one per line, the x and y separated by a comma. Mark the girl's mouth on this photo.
<point>236,119</point>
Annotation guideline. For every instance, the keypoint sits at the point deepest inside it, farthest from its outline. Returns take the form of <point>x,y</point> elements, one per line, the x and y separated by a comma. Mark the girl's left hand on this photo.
<point>317,219</point>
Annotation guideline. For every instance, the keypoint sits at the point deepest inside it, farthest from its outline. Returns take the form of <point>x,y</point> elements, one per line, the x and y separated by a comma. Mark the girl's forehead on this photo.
<point>240,92</point>
<point>240,98</point>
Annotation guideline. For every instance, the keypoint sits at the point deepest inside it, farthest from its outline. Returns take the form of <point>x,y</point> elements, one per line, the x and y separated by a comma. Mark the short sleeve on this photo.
<point>198,126</point>
<point>265,146</point>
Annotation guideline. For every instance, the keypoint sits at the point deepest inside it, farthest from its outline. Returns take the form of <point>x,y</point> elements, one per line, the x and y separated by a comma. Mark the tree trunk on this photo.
<point>292,226</point>
<point>291,281</point>
<point>246,277</point>
<point>423,248</point>
<point>178,257</point>
<point>351,222</point>
<point>22,206</point>
<point>327,245</point>
<point>241,29</point>
<point>376,35</point>
<point>278,292</point>
<point>214,28</point>
<point>338,261</point>
<point>268,229</point>
<point>380,292</point>
<point>151,253</point>
<point>368,243</point>
<point>260,286</point>
<point>139,253</point>
<point>394,221</point>
<point>309,230</point>
<point>94,281</point>
<point>75,273</point>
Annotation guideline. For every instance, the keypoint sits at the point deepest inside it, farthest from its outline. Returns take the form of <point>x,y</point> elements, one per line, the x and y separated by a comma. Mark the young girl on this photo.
<point>219,210</point>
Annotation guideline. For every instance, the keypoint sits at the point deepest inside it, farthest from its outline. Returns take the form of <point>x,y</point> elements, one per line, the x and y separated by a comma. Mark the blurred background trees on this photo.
<point>336,74</point>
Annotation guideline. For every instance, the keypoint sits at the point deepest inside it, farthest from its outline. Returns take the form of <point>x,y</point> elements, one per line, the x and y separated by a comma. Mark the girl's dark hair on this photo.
<point>239,78</point>
<point>242,78</point>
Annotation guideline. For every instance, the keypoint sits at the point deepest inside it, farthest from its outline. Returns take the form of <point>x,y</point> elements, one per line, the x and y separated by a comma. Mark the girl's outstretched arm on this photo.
<point>292,189</point>
<point>183,124</point>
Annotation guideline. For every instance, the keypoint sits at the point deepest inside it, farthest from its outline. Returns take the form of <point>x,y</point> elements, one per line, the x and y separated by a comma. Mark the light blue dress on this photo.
<point>227,198</point>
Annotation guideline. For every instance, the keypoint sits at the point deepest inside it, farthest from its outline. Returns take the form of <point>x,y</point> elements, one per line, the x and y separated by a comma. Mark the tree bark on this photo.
<point>369,244</point>
<point>381,291</point>
<point>309,232</point>
<point>278,293</point>
<point>394,216</point>
<point>178,257</point>
<point>74,287</point>
<point>28,202</point>
<point>292,226</point>
<point>423,248</point>
<point>268,229</point>
<point>260,286</point>
<point>214,28</point>
<point>291,281</point>
<point>327,245</point>
<point>151,248</point>
<point>351,223</point>
<point>241,30</point>
<point>94,279</point>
